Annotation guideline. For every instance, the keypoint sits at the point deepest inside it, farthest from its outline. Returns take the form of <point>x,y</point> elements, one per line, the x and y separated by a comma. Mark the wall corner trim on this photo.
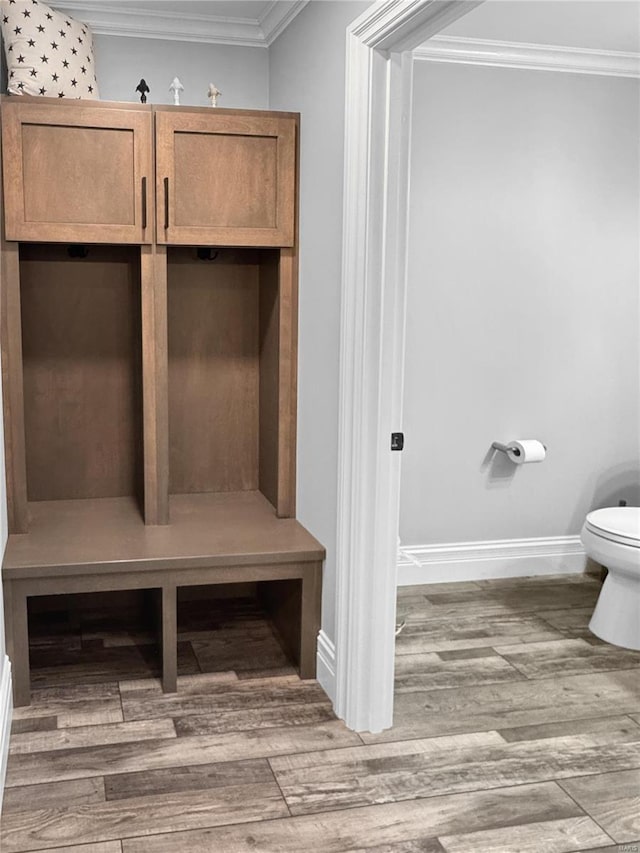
<point>502,558</point>
<point>538,57</point>
<point>6,711</point>
<point>326,665</point>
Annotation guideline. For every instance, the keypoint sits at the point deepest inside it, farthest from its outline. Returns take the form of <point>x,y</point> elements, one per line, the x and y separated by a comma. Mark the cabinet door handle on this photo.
<point>144,204</point>
<point>166,202</point>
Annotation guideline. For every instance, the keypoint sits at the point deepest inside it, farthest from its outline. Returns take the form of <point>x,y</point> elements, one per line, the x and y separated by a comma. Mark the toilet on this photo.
<point>611,537</point>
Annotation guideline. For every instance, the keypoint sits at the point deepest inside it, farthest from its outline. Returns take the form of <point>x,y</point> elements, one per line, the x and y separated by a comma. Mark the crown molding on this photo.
<point>539,57</point>
<point>116,19</point>
<point>277,17</point>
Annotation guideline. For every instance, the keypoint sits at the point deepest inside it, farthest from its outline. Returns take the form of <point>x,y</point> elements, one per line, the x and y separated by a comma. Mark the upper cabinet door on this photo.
<point>77,174</point>
<point>225,178</point>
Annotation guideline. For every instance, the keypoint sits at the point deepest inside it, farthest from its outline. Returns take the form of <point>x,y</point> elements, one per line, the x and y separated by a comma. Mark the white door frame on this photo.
<point>377,139</point>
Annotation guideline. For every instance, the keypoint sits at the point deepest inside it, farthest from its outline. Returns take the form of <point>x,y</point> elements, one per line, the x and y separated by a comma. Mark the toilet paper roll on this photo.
<point>526,450</point>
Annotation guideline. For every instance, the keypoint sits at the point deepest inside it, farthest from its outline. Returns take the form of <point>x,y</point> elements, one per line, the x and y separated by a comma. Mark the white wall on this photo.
<point>523,301</point>
<point>6,701</point>
<point>4,527</point>
<point>307,66</point>
<point>241,73</point>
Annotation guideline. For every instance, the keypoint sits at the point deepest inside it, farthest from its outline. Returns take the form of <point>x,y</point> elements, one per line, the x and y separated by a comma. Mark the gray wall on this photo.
<point>307,65</point>
<point>523,301</point>
<point>241,73</point>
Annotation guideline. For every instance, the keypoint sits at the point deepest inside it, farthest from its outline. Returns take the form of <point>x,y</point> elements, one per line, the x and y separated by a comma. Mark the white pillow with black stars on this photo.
<point>48,53</point>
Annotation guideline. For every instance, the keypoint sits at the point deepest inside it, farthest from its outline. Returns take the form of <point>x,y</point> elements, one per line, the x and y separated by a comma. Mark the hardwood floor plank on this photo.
<point>255,718</point>
<point>122,638</point>
<point>467,654</point>
<point>198,778</point>
<point>210,696</point>
<point>572,727</point>
<point>570,621</point>
<point>270,672</point>
<point>201,681</point>
<point>635,718</point>
<point>424,768</point>
<point>74,738</point>
<point>529,594</point>
<point>525,583</point>
<point>174,752</point>
<point>553,836</point>
<point>99,822</point>
<point>567,657</point>
<point>427,671</point>
<point>467,631</point>
<point>252,649</point>
<point>633,847</point>
<point>435,588</point>
<point>448,744</point>
<point>75,705</point>
<point>95,665</point>
<point>53,795</point>
<point>33,724</point>
<point>95,717</point>
<point>102,847</point>
<point>613,800</point>
<point>371,826</point>
<point>417,845</point>
<point>458,610</point>
<point>520,703</point>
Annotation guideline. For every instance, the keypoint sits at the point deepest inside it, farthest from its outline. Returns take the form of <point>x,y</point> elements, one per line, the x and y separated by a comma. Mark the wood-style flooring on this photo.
<point>516,731</point>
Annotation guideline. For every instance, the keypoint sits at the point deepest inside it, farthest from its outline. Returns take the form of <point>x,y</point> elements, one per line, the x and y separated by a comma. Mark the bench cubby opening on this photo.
<point>82,377</point>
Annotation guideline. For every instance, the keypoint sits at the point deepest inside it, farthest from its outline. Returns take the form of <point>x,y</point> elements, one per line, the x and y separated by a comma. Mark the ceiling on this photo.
<point>596,24</point>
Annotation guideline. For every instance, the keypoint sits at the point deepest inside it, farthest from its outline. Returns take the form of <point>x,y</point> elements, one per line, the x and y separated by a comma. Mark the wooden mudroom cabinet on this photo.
<point>81,174</point>
<point>228,179</point>
<point>149,339</point>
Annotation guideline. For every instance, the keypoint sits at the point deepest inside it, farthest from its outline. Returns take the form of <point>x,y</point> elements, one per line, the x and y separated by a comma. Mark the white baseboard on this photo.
<point>504,558</point>
<point>6,710</point>
<point>326,665</point>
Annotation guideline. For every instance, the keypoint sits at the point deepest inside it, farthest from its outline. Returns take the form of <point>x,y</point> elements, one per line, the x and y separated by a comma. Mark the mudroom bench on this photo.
<point>102,546</point>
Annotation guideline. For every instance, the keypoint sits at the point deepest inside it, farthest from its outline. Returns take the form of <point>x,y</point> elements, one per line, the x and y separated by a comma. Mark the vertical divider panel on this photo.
<point>288,358</point>
<point>269,421</point>
<point>153,266</point>
<point>169,594</point>
<point>287,383</point>
<point>13,390</point>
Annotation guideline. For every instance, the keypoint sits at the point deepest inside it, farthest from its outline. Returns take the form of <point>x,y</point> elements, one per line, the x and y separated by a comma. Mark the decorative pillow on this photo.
<point>48,53</point>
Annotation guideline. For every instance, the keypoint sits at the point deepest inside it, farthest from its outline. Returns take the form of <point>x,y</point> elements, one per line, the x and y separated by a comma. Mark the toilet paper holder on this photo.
<point>504,448</point>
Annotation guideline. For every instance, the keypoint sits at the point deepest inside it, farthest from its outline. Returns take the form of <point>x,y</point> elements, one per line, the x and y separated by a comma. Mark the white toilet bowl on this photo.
<point>611,537</point>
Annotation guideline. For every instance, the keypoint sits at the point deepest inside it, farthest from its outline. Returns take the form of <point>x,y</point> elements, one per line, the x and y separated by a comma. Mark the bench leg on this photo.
<point>17,635</point>
<point>169,639</point>
<point>310,619</point>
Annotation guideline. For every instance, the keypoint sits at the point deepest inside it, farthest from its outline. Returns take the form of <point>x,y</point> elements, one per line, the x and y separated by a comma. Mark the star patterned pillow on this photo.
<point>48,53</point>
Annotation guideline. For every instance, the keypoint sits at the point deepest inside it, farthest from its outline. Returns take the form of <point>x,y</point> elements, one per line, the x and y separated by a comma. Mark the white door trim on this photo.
<point>377,138</point>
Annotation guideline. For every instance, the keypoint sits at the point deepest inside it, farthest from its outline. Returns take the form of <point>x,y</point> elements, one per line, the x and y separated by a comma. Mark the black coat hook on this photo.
<point>77,251</point>
<point>205,254</point>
